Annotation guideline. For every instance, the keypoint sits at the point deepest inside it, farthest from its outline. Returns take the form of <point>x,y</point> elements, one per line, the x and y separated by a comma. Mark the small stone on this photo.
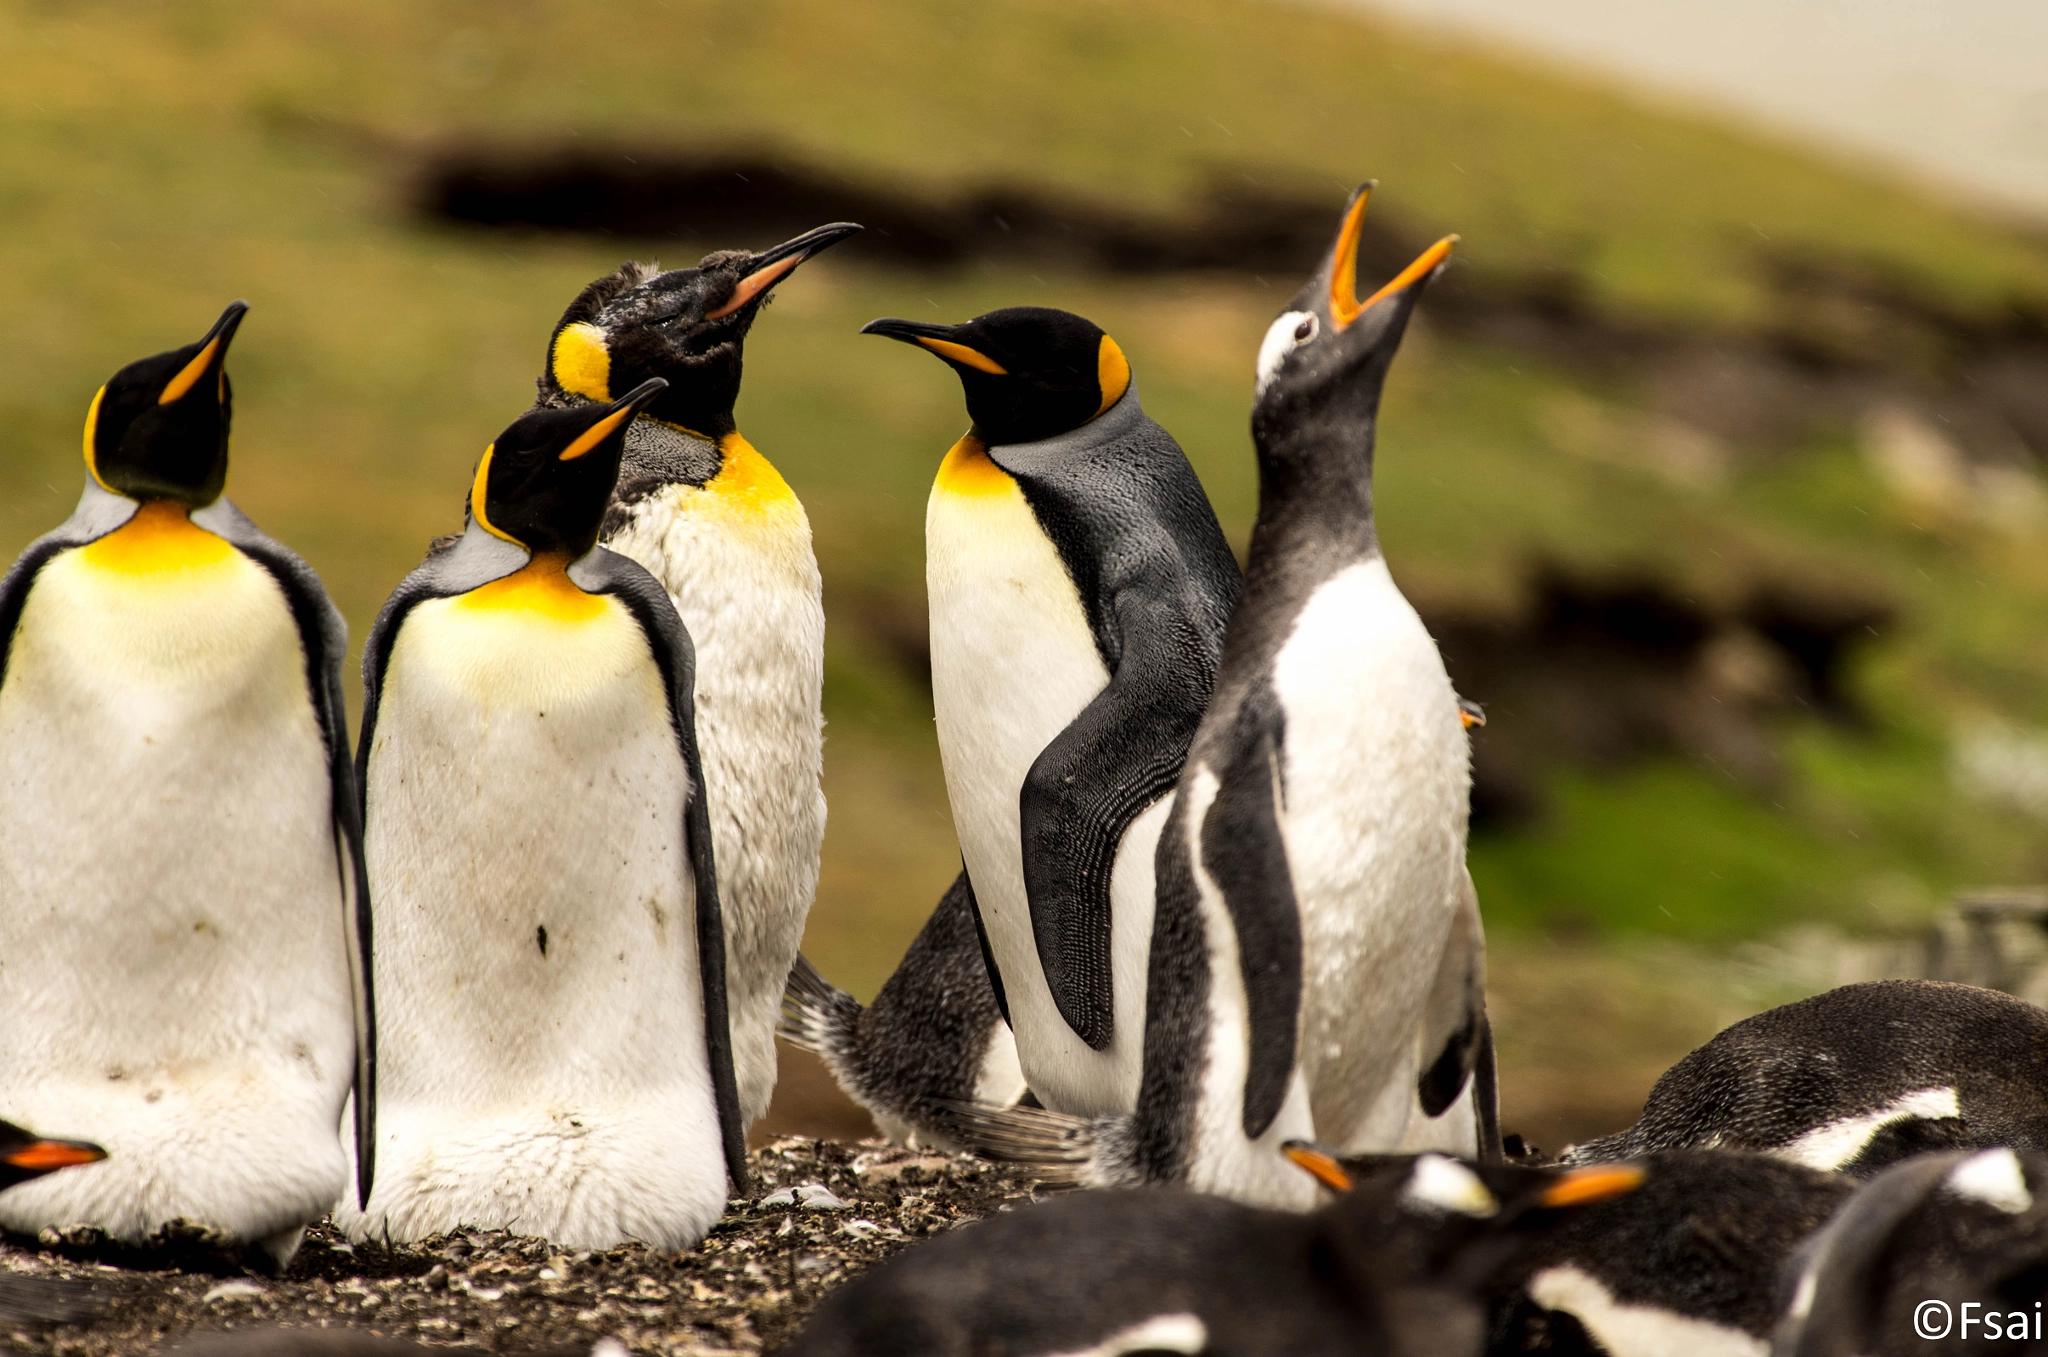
<point>860,1229</point>
<point>436,1278</point>
<point>818,1197</point>
<point>235,1288</point>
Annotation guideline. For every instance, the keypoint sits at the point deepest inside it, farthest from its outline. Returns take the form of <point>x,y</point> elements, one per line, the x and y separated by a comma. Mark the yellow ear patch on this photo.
<point>92,428</point>
<point>960,353</point>
<point>595,434</point>
<point>969,470</point>
<point>478,490</point>
<point>581,362</point>
<point>1112,373</point>
<point>189,375</point>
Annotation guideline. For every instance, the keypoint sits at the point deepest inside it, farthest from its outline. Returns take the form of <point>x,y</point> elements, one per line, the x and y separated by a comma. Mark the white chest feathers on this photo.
<point>540,1019</point>
<point>735,556</point>
<point>171,934</point>
<point>1377,777</point>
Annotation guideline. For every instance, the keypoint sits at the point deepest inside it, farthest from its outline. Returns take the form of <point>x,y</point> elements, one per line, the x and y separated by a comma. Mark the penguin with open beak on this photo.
<point>180,859</point>
<point>554,1049</point>
<point>1078,585</point>
<point>1399,1266</point>
<point>1317,961</point>
<point>712,519</point>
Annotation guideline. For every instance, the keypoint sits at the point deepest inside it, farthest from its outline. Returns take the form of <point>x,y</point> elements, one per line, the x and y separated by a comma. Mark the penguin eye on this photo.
<point>1285,335</point>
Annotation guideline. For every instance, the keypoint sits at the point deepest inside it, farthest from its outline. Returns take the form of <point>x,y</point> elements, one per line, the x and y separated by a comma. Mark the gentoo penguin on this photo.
<point>549,959</point>
<point>711,519</point>
<point>179,852</point>
<point>1396,1267</point>
<point>1855,1079</point>
<point>24,1155</point>
<point>1943,1252</point>
<point>1078,585</point>
<point>1317,959</point>
<point>932,1040</point>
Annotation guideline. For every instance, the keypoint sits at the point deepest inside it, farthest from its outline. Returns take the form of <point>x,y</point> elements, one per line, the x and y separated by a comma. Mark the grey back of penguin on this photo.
<point>1856,1079</point>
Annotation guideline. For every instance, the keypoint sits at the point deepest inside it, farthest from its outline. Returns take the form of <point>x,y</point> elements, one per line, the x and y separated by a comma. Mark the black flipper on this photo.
<point>1118,500</point>
<point>324,636</point>
<point>917,1052</point>
<point>1454,1031</point>
<point>1244,853</point>
<point>476,559</point>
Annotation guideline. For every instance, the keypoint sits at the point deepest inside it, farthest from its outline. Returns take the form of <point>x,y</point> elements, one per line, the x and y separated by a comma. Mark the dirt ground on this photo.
<point>818,1212</point>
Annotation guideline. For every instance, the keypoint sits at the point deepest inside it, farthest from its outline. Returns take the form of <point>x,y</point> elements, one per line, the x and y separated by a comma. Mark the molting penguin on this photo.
<point>714,522</point>
<point>1078,585</point>
<point>1397,1267</point>
<point>1317,959</point>
<point>1939,1253</point>
<point>179,851</point>
<point>549,957</point>
<point>1856,1079</point>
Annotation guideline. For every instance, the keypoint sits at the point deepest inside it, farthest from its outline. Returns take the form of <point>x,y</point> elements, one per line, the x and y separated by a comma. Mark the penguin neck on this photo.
<point>1315,485</point>
<point>659,451</point>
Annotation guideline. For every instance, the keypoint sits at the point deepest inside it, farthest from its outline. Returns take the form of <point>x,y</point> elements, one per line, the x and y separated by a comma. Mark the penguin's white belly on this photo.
<point>1377,779</point>
<point>1013,663</point>
<point>744,579</point>
<point>172,957</point>
<point>541,1062</point>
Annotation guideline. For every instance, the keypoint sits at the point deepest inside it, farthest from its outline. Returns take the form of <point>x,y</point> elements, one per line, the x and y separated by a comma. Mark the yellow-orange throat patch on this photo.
<point>160,537</point>
<point>542,586</point>
<point>969,470</point>
<point>748,481</point>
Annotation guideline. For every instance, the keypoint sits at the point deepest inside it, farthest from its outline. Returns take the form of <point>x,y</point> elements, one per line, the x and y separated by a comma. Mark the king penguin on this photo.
<point>1317,957</point>
<point>555,1055</point>
<point>179,845</point>
<point>713,520</point>
<point>1078,585</point>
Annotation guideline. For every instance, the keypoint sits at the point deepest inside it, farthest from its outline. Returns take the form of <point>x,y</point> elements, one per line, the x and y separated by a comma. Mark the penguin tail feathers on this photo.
<point>818,1016</point>
<point>1063,1151</point>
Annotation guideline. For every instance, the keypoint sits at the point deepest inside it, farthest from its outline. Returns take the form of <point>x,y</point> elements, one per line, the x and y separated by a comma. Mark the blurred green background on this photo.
<point>1709,408</point>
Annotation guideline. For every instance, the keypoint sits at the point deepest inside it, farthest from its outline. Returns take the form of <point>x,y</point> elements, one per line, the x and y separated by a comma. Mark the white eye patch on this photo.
<point>1283,336</point>
<point>1994,1178</point>
<point>1447,1185</point>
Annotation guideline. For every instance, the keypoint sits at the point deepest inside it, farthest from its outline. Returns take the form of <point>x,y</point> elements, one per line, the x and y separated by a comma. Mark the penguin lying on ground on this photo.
<point>1317,961</point>
<point>179,851</point>
<point>1941,1253</point>
<point>549,955</point>
<point>1078,584</point>
<point>1855,1079</point>
<point>1391,1268</point>
<point>1690,1264</point>
<point>714,522</point>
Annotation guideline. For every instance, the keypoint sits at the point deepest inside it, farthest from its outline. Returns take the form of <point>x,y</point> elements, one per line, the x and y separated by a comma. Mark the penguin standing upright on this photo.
<point>1078,585</point>
<point>179,852</point>
<point>1317,957</point>
<point>1855,1079</point>
<point>711,519</point>
<point>555,1054</point>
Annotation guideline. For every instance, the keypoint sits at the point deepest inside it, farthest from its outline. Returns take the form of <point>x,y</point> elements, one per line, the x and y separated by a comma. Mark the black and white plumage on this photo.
<point>1943,1252</point>
<point>1856,1079</point>
<point>714,521</point>
<point>1395,1267</point>
<point>1078,584</point>
<point>1317,962</point>
<point>180,856</point>
<point>555,1053</point>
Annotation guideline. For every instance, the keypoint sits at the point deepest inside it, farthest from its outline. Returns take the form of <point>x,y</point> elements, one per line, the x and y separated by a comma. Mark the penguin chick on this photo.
<point>1855,1079</point>
<point>1393,1268</point>
<point>179,846</point>
<point>1078,585</point>
<point>711,519</point>
<point>1317,962</point>
<point>555,1053</point>
<point>1943,1252</point>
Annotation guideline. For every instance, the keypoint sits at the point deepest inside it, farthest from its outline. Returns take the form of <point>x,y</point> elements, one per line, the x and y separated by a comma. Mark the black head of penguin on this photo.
<point>544,482</point>
<point>687,327</point>
<point>1029,372</point>
<point>25,1155</point>
<point>158,430</point>
<point>1323,363</point>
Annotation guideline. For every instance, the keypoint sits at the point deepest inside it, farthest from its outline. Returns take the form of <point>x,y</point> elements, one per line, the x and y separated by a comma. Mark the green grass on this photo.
<point>159,161</point>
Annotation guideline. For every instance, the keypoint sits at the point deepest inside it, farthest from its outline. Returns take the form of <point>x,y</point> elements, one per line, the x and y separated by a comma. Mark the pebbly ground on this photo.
<point>746,1288</point>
